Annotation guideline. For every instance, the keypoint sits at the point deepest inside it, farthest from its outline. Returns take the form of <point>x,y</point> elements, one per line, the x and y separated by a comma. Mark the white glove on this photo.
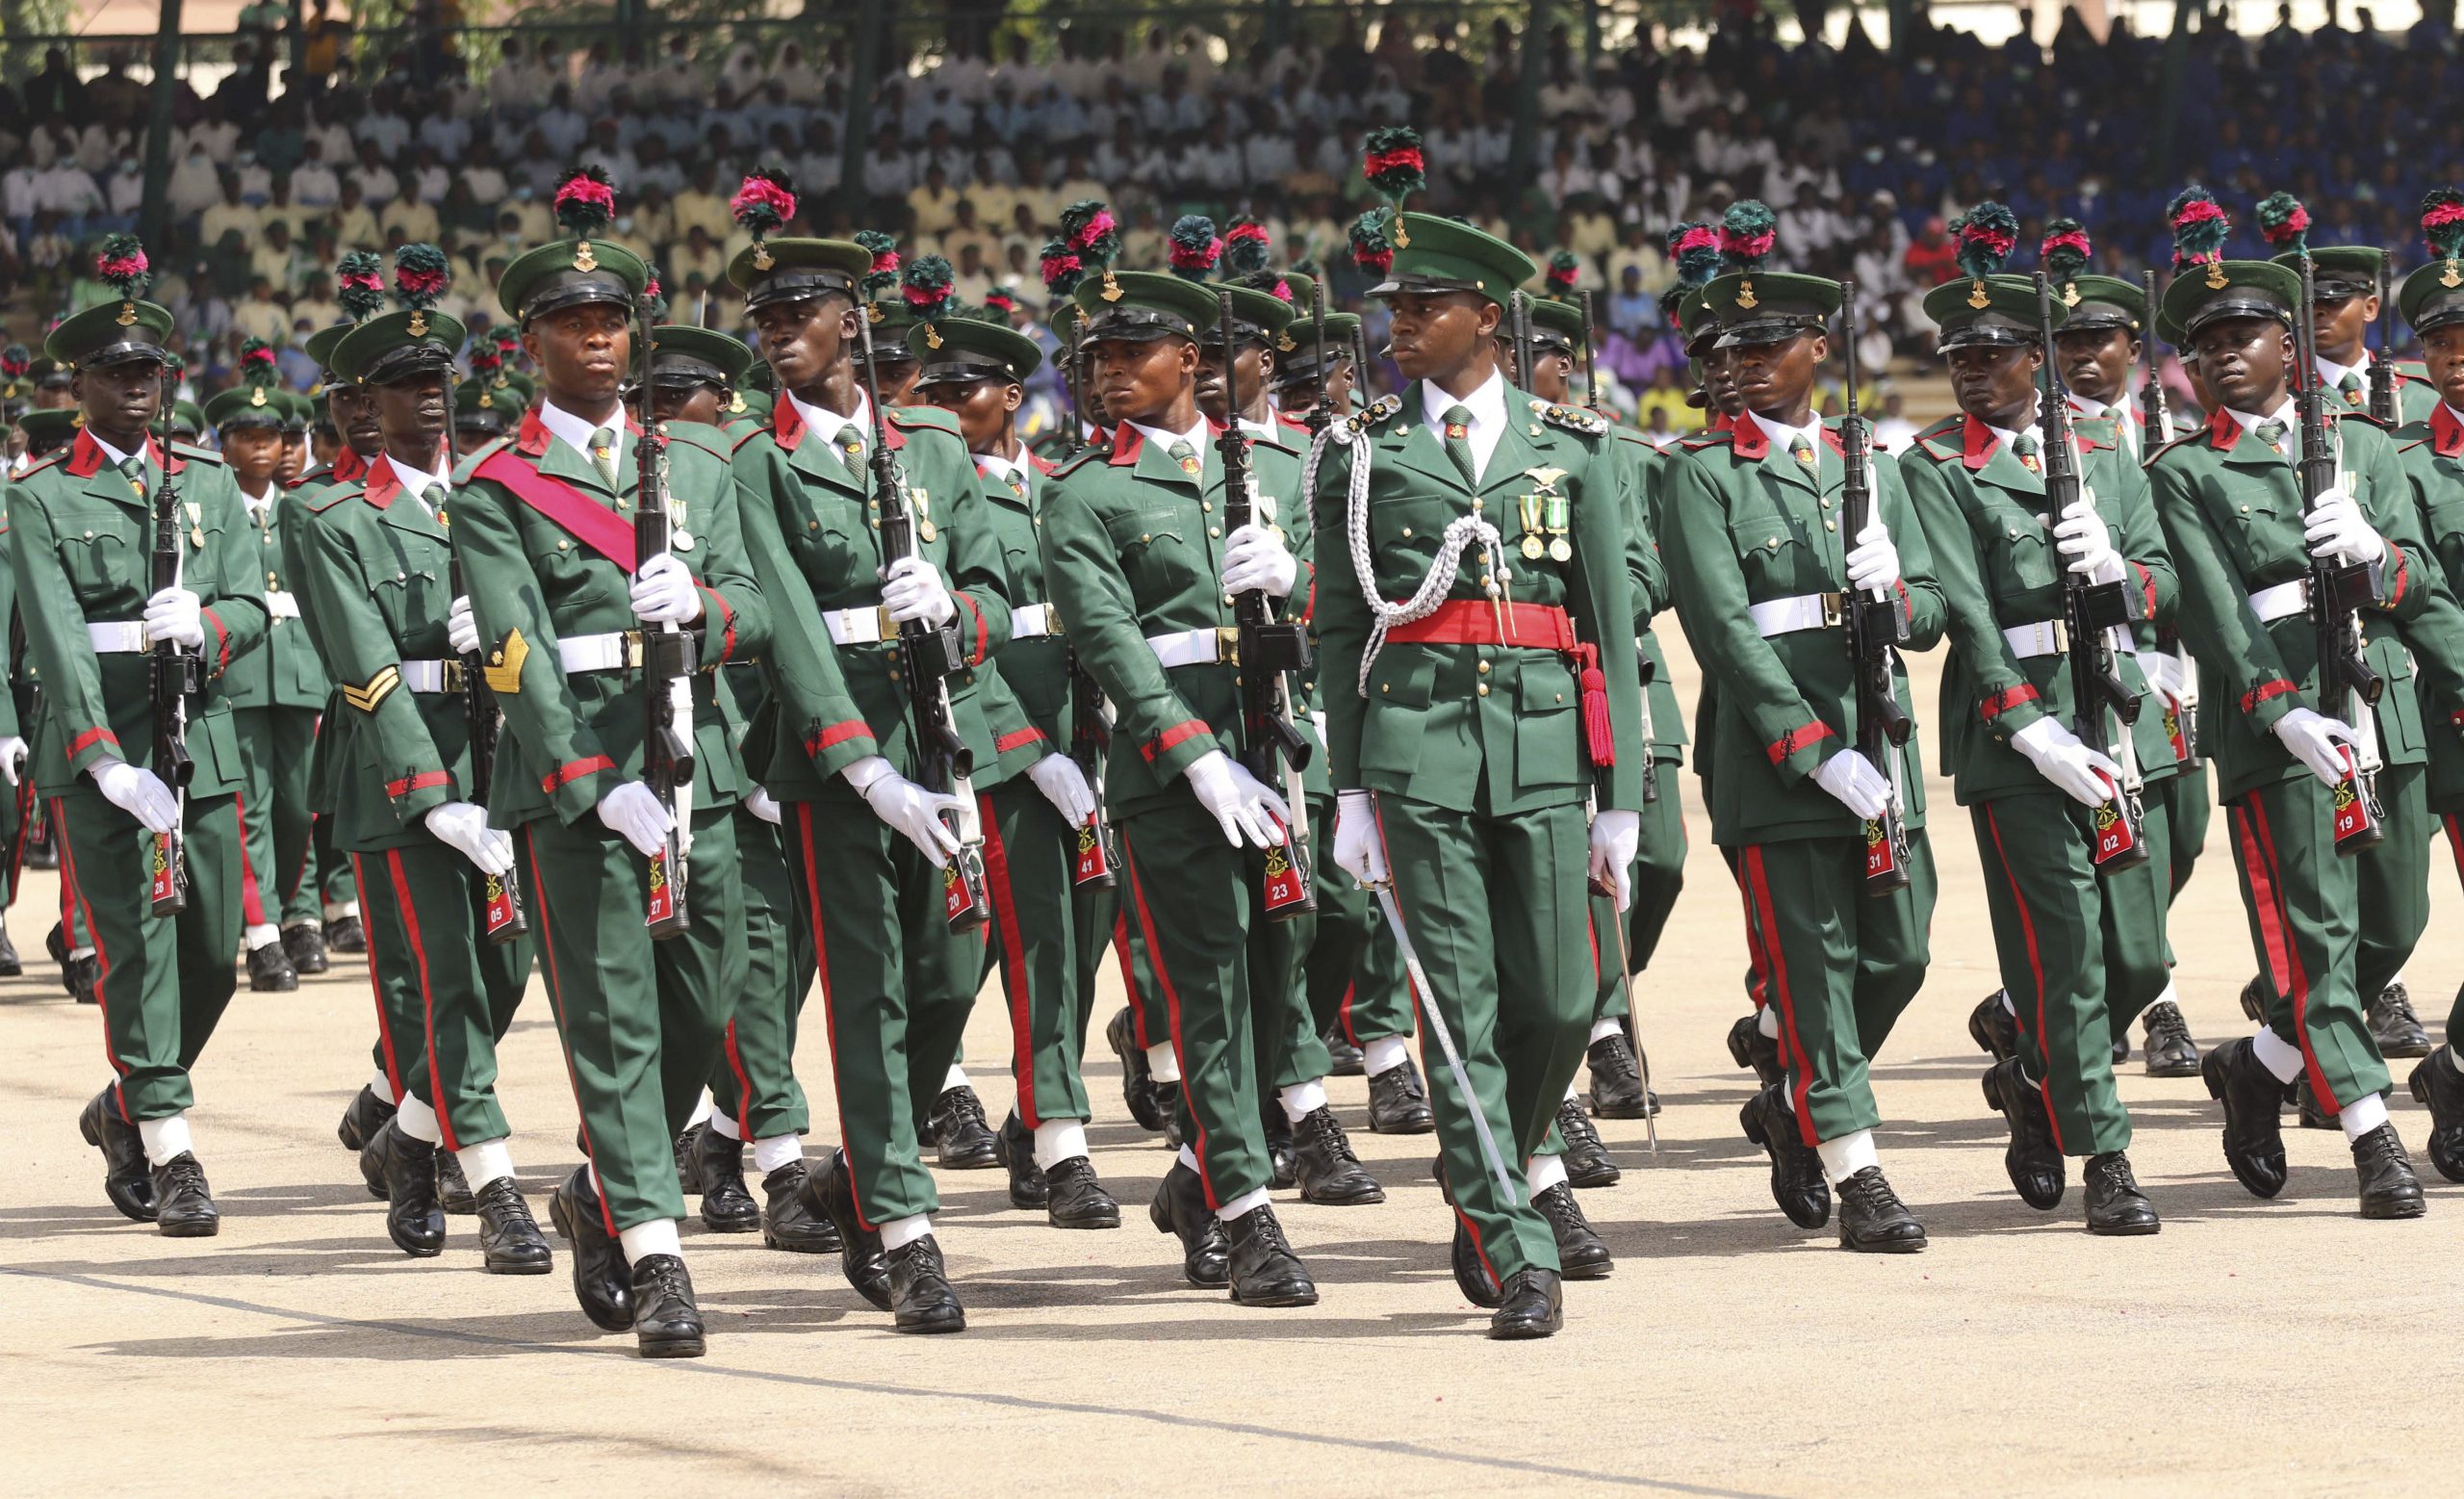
<point>915,812</point>
<point>912,589</point>
<point>1874,561</point>
<point>2337,527</point>
<point>461,630</point>
<point>13,758</point>
<point>463,826</point>
<point>2080,773</point>
<point>1244,805</point>
<point>2323,743</point>
<point>1616,836</point>
<point>173,614</point>
<point>663,592</point>
<point>1064,786</point>
<point>137,792</point>
<point>2165,676</point>
<point>2081,535</point>
<point>1359,851</point>
<point>762,804</point>
<point>1855,784</point>
<point>638,817</point>
<point>1256,557</point>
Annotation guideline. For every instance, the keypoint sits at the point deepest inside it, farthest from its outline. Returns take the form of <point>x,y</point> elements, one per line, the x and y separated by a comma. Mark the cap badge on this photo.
<point>2216,281</point>
<point>1111,292</point>
<point>2071,293</point>
<point>419,324</point>
<point>932,336</point>
<point>762,258</point>
<point>257,396</point>
<point>585,258</point>
<point>1745,294</point>
<point>127,314</point>
<point>2450,276</point>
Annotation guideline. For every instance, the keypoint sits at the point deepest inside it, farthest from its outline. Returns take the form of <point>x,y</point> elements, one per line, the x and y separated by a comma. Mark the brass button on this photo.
<point>877,525</point>
<point>89,535</point>
<point>1484,690</point>
<point>1476,502</point>
<point>1562,697</point>
<point>1146,538</point>
<point>1385,686</point>
<point>1773,543</point>
<point>1227,598</point>
<point>1308,686</point>
<point>812,524</point>
<point>1830,526</point>
<point>2245,509</point>
<point>1215,530</point>
<point>1826,504</point>
<point>1407,531</point>
<point>1207,505</point>
<point>562,544</point>
<point>1484,668</point>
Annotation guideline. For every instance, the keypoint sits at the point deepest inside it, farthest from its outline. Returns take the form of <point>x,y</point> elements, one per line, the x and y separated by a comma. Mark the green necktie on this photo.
<point>1017,480</point>
<point>134,468</point>
<point>434,497</point>
<point>603,451</point>
<point>2351,385</point>
<point>2024,447</point>
<point>2269,433</point>
<point>1458,443</point>
<point>1801,449</point>
<point>1186,456</point>
<point>850,449</point>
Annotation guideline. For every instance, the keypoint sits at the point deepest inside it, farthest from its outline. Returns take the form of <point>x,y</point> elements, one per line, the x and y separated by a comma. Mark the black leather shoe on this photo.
<point>365,1115</point>
<point>688,1158</point>
<point>414,1219</point>
<point>788,1221</point>
<point>270,972</point>
<point>1015,1147</point>
<point>2253,1127</point>
<point>2440,1089</point>
<point>1873,1220</point>
<point>1471,1276</point>
<point>2121,1048</point>
<point>511,1243</point>
<point>453,1189</point>
<point>2389,1189</point>
<point>77,976</point>
<point>1283,1158</point>
<point>1078,1200</point>
<point>2114,1204</point>
<point>10,965</point>
<point>2254,1000</point>
<point>1579,1249</point>
<point>1616,1081</point>
<point>1748,1046</point>
<point>372,1161</point>
<point>1179,1208</point>
<point>2037,1168</point>
<point>1331,1176</point>
<point>667,1324</point>
<point>963,1139</point>
<point>1343,1058</point>
<point>345,934</point>
<point>2170,1051</point>
<point>919,1289</point>
<point>2393,1024</point>
<point>1264,1270</point>
<point>1137,1084</point>
<point>1993,1029</point>
<point>1797,1181</point>
<point>1586,1159</point>
<point>602,1284</point>
<point>184,1204</point>
<point>127,1181</point>
<point>1532,1305</point>
<point>1398,1102</point>
<point>305,946</point>
<point>718,1170</point>
<point>828,1194</point>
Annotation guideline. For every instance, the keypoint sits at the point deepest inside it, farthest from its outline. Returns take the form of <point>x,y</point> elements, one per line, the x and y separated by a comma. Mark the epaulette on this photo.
<point>1382,409</point>
<point>738,445</point>
<point>332,495</point>
<point>1930,447</point>
<point>1629,434</point>
<point>51,460</point>
<point>698,434</point>
<point>2190,436</point>
<point>923,418</point>
<point>200,454</point>
<point>1069,465</point>
<point>1706,440</point>
<point>1573,418</point>
<point>2361,416</point>
<point>463,469</point>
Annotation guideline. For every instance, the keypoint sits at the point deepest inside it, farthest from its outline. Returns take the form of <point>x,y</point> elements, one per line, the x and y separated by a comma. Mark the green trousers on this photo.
<point>274,745</point>
<point>2394,881</point>
<point>329,878</point>
<point>2189,802</point>
<point>445,994</point>
<point>896,987</point>
<point>1496,908</point>
<point>1841,966</point>
<point>755,1083</point>
<point>1354,972</point>
<point>16,815</point>
<point>2080,954</point>
<point>641,1020</point>
<point>2303,898</point>
<point>1657,874</point>
<point>1037,937</point>
<point>162,982</point>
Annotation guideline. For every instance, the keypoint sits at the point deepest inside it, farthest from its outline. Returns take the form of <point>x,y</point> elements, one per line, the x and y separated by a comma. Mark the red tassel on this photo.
<point>1599,735</point>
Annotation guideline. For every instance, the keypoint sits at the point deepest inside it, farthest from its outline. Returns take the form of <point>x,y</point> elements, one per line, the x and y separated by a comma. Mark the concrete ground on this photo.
<point>2285,1344</point>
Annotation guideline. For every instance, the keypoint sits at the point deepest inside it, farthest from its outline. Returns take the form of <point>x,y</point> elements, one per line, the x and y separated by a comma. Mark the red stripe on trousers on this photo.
<point>828,1012</point>
<point>1172,1010</point>
<point>1129,978</point>
<point>2454,842</point>
<point>376,992</point>
<point>1343,1011</point>
<point>556,1004</point>
<point>1014,966</point>
<point>743,1086</point>
<point>71,890</point>
<point>438,1102</point>
<point>1758,984</point>
<point>1758,905</point>
<point>252,906</point>
<point>2036,970</point>
<point>2327,1096</point>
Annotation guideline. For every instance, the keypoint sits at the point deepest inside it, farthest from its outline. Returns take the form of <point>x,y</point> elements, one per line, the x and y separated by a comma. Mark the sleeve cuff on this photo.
<point>2269,701</point>
<point>415,794</point>
<point>90,746</point>
<point>571,787</point>
<point>1798,751</point>
<point>718,627</point>
<point>1178,747</point>
<point>834,747</point>
<point>221,643</point>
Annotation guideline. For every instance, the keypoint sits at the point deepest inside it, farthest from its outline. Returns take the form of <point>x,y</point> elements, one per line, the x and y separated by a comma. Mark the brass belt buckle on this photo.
<point>1227,645</point>
<point>450,677</point>
<point>1833,609</point>
<point>887,627</point>
<point>632,650</point>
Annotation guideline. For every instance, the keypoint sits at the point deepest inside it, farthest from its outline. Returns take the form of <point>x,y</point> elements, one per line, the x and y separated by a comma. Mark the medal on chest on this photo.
<point>1544,513</point>
<point>196,524</point>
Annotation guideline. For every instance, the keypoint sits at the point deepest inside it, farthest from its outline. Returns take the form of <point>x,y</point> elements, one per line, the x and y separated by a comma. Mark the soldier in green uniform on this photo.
<point>17,786</point>
<point>375,595</point>
<point>294,460</point>
<point>1760,552</point>
<point>2075,891</point>
<point>1472,724</point>
<point>480,416</point>
<point>2244,539</point>
<point>81,527</point>
<point>544,532</point>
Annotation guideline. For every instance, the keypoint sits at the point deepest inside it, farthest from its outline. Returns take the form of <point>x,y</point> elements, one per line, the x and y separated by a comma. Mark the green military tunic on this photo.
<point>277,691</point>
<point>2432,452</point>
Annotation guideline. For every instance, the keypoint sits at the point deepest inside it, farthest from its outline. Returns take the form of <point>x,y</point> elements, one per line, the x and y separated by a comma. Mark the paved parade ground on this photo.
<point>2283,1346</point>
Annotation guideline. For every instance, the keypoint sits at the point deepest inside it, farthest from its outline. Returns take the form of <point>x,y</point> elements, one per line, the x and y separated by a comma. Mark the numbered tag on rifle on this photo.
<point>1093,864</point>
<point>2119,844</point>
<point>1881,860</point>
<point>1286,883</point>
<point>663,903</point>
<point>501,914</point>
<point>2358,815</point>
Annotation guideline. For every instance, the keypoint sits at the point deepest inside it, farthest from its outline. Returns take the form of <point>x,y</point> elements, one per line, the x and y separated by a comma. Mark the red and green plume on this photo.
<point>121,264</point>
<point>654,299</point>
<point>1000,303</point>
<point>2065,249</point>
<point>421,276</point>
<point>883,248</point>
<point>2443,223</point>
<point>1196,249</point>
<point>1747,232</point>
<point>16,362</point>
<point>2285,224</point>
<point>585,202</point>
<point>1092,232</point>
<point>359,285</point>
<point>765,203</point>
<point>1372,240</point>
<point>926,282</point>
<point>508,341</point>
<point>484,359</point>
<point>1062,269</point>
<point>1694,248</point>
<point>256,364</point>
<point>1246,249</point>
<point>1987,235</point>
<point>1390,158</point>
<point>2199,225</point>
<point>1564,271</point>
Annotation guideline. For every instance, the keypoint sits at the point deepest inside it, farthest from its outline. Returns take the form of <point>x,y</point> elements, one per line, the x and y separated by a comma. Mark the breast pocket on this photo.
<point>1401,685</point>
<point>1548,730</point>
<point>1156,552</point>
<point>2022,548</point>
<point>1774,554</point>
<point>412,595</point>
<point>100,562</point>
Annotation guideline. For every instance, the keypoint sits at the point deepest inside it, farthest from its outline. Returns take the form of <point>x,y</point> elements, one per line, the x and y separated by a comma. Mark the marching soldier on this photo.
<point>83,527</point>
<point>479,416</point>
<point>16,783</point>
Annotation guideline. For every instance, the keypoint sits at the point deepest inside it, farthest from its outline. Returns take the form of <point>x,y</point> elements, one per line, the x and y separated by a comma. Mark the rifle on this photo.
<point>2156,418</point>
<point>2095,616</point>
<point>2383,370</point>
<point>1518,333</point>
<point>2337,588</point>
<point>175,675</point>
<point>929,657</point>
<point>1590,373</point>
<point>504,918</point>
<point>1321,413</point>
<point>1270,748</point>
<point>667,675</point>
<point>1876,630</point>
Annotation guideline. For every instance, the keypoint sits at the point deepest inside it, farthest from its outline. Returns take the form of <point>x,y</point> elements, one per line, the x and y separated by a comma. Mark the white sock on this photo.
<point>336,910</point>
<point>2170,995</point>
<point>1574,1092</point>
<point>1384,1054</point>
<point>1302,1100</point>
<point>383,1086</point>
<point>1162,1064</point>
<point>484,1162</point>
<point>644,1239</point>
<point>777,1151</point>
<point>1602,1029</point>
<point>1243,1206</point>
<point>81,953</point>
<point>1769,1023</point>
<point>2277,1054</point>
<point>702,1110</point>
<point>724,1125</point>
<point>900,1233</point>
<point>2010,1006</point>
<point>166,1140</point>
<point>1189,1158</point>
<point>956,1078</point>
<point>2363,1114</point>
<point>1057,1140</point>
<point>1543,1171</point>
<point>265,934</point>
<point>418,1119</point>
<point>1847,1156</point>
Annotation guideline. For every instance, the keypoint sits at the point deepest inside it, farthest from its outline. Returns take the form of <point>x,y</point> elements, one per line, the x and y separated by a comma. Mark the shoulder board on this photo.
<point>198,454</point>
<point>709,439</point>
<point>1941,427</point>
<point>1706,440</point>
<point>1573,418</point>
<point>923,418</point>
<point>1930,447</point>
<point>2360,416</point>
<point>332,495</point>
<point>1382,409</point>
<point>311,476</point>
<point>53,460</point>
<point>737,445</point>
<point>1626,434</point>
<point>462,471</point>
<point>1084,455</point>
<point>2192,435</point>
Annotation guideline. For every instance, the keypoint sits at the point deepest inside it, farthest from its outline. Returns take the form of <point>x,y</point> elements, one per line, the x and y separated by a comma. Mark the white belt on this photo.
<point>2052,637</point>
<point>590,653</point>
<point>1787,616</point>
<point>2281,602</point>
<point>118,636</point>
<point>1196,647</point>
<point>281,605</point>
<point>1034,622</point>
<point>860,627</point>
<point>433,676</point>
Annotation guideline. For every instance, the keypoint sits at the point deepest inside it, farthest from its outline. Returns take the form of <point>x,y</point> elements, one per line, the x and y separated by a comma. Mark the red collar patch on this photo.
<point>2222,431</point>
<point>2445,433</point>
<point>85,455</point>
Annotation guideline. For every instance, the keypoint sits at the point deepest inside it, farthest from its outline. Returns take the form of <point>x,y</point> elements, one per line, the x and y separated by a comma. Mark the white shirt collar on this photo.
<point>2284,413</point>
<point>110,452</point>
<point>827,424</point>
<point>1257,429</point>
<point>1487,406</point>
<point>573,431</point>
<point>2334,373</point>
<point>258,504</point>
<point>1783,437</point>
<point>999,467</point>
<point>1196,437</point>
<point>2101,408</point>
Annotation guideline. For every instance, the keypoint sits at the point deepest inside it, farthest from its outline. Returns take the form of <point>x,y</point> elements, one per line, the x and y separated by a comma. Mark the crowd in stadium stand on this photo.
<point>278,169</point>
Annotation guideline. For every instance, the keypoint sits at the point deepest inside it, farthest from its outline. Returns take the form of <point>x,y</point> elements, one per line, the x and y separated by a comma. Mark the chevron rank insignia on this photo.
<point>503,671</point>
<point>378,688</point>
